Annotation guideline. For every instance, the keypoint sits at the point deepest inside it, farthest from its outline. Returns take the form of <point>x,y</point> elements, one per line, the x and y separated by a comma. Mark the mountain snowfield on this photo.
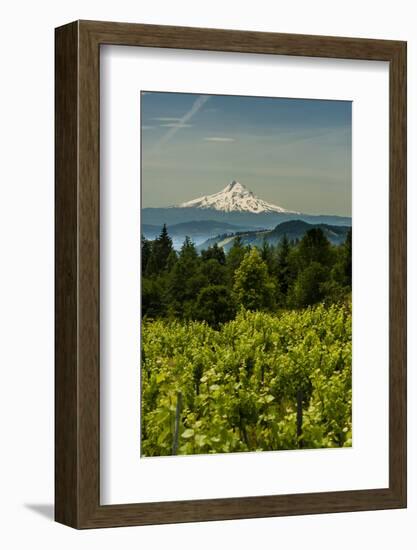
<point>235,197</point>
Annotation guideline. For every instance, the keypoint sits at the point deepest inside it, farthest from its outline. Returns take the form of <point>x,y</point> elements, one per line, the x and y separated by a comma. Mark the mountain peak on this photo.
<point>236,186</point>
<point>235,197</point>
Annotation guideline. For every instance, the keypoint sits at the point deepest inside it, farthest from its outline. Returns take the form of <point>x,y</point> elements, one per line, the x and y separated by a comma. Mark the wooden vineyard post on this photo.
<point>177,423</point>
<point>299,417</point>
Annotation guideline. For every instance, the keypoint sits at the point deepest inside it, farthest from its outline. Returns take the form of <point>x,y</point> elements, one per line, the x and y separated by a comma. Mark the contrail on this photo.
<point>196,106</point>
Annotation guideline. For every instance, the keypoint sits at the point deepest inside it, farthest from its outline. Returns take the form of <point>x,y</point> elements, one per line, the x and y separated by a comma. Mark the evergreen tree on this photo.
<point>146,252</point>
<point>171,261</point>
<point>253,288</point>
<point>267,255</point>
<point>347,259</point>
<point>165,243</point>
<point>188,250</point>
<point>153,304</point>
<point>152,268</point>
<point>283,267</point>
<point>235,256</point>
<point>160,251</point>
<point>314,247</point>
<point>214,272</point>
<point>214,252</point>
<point>215,305</point>
<point>308,288</point>
<point>340,283</point>
<point>185,280</point>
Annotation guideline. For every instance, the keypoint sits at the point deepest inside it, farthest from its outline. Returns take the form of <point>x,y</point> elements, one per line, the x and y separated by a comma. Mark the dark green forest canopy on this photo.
<point>213,286</point>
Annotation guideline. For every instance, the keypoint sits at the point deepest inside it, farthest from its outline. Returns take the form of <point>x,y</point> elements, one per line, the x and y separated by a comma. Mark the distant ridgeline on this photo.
<point>268,220</point>
<point>294,230</point>
<point>201,232</point>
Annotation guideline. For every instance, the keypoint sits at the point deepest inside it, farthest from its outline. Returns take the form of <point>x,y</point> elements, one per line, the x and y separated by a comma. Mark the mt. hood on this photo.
<point>235,197</point>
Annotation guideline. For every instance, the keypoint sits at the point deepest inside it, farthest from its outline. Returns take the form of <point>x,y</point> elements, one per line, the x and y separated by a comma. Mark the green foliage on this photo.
<point>253,288</point>
<point>153,304</point>
<point>214,252</point>
<point>239,383</point>
<point>184,281</point>
<point>214,272</point>
<point>160,251</point>
<point>308,288</point>
<point>267,255</point>
<point>314,247</point>
<point>289,275</point>
<point>215,305</point>
<point>282,270</point>
<point>342,270</point>
<point>235,257</point>
<point>146,253</point>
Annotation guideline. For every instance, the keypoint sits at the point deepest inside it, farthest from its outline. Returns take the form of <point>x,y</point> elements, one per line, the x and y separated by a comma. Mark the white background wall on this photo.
<point>26,272</point>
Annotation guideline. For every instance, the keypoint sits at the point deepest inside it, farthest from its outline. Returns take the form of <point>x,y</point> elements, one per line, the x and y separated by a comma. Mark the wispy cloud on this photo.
<point>145,127</point>
<point>182,122</point>
<point>175,125</point>
<point>219,139</point>
<point>167,118</point>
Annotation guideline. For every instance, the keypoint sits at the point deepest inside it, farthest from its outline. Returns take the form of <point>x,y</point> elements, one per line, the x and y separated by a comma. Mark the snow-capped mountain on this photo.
<point>235,197</point>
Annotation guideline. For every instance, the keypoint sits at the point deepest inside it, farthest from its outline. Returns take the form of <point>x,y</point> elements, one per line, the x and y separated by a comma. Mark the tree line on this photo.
<point>212,286</point>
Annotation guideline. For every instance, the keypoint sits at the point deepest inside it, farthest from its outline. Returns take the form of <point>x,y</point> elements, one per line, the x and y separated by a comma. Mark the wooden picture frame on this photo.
<point>77,374</point>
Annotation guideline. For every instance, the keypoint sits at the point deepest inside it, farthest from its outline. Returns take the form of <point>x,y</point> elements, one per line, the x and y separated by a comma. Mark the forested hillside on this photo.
<point>213,286</point>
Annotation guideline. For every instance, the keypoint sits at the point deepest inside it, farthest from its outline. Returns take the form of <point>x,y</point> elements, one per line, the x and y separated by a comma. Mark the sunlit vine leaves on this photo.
<point>238,385</point>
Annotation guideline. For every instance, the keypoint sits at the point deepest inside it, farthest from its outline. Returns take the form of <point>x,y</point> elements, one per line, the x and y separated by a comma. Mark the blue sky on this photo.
<point>295,153</point>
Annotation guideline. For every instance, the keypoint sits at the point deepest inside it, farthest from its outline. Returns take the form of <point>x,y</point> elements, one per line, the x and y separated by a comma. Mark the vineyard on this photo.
<point>261,382</point>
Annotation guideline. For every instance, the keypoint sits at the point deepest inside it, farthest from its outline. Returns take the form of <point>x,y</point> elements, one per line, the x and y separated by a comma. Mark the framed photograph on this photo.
<point>230,274</point>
